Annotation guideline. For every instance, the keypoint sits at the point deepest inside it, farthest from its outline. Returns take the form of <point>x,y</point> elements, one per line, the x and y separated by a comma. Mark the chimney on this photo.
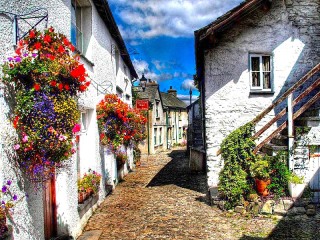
<point>172,92</point>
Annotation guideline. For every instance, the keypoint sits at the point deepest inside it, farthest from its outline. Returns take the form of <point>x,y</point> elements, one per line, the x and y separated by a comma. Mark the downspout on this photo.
<point>148,132</point>
<point>167,123</point>
<point>175,120</point>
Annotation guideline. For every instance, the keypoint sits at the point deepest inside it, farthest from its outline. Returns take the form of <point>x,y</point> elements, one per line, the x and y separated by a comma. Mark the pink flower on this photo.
<point>62,138</point>
<point>73,150</point>
<point>76,128</point>
<point>16,147</point>
<point>25,138</point>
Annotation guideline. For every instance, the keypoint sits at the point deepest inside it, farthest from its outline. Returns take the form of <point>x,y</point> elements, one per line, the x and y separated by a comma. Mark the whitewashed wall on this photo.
<point>100,64</point>
<point>286,33</point>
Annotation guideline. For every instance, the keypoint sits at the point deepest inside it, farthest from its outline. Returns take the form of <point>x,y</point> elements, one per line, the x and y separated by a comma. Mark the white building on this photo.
<point>246,60</point>
<point>90,26</point>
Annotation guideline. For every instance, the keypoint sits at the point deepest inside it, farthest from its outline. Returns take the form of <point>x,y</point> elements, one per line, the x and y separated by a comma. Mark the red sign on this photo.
<point>142,104</point>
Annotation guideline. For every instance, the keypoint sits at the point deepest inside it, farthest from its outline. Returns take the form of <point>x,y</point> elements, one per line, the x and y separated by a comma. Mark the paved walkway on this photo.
<point>161,199</point>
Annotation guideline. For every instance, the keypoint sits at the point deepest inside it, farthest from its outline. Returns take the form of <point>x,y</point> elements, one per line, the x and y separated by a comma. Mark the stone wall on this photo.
<point>228,102</point>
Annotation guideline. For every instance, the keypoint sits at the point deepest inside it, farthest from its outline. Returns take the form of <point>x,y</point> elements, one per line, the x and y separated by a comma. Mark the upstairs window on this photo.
<point>260,72</point>
<point>81,22</point>
<point>157,110</point>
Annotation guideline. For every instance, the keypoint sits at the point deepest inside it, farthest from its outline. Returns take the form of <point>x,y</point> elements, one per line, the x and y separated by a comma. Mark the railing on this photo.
<point>291,103</point>
<point>289,110</point>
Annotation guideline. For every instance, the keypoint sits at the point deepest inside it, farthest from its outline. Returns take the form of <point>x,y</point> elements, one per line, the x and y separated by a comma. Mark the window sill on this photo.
<point>84,57</point>
<point>261,92</point>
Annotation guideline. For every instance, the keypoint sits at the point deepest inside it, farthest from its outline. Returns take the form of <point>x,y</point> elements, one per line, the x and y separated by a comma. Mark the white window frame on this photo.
<point>260,88</point>
<point>155,136</point>
<point>84,124</point>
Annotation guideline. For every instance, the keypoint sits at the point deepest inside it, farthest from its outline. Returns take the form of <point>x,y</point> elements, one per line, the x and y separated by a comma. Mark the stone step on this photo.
<point>272,149</point>
<point>91,235</point>
<point>312,112</point>
<point>280,140</point>
<point>308,121</point>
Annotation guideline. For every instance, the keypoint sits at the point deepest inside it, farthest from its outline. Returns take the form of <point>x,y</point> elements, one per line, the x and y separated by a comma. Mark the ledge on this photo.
<point>87,204</point>
<point>252,93</point>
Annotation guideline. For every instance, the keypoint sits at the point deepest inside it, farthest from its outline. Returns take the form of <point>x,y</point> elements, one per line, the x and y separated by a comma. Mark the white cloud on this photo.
<point>186,98</point>
<point>174,18</point>
<point>188,84</point>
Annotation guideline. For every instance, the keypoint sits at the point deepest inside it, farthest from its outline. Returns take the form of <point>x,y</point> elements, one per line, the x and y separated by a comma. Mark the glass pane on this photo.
<point>266,80</point>
<point>266,63</point>
<point>255,79</point>
<point>255,61</point>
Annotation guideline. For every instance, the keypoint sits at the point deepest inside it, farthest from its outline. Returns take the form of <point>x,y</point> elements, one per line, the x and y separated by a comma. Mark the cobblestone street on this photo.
<point>161,199</point>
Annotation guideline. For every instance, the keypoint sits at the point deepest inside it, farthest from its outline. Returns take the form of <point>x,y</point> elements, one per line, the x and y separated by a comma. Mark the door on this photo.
<point>49,207</point>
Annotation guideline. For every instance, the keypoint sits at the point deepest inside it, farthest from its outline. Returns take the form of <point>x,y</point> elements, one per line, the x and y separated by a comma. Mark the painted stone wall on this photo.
<point>99,60</point>
<point>290,32</point>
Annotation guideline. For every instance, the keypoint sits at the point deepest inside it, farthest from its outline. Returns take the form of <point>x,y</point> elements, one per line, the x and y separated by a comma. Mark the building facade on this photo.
<point>90,26</point>
<point>246,60</point>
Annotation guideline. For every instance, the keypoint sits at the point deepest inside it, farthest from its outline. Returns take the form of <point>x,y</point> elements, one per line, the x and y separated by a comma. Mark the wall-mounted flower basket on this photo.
<point>44,78</point>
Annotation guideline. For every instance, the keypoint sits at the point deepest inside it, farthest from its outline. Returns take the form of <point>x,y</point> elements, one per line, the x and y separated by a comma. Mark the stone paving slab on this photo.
<point>162,199</point>
<point>91,235</point>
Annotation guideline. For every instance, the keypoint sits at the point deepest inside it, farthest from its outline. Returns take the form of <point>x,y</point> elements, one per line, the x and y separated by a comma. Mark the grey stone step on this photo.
<point>312,112</point>
<point>272,149</point>
<point>280,140</point>
<point>91,235</point>
<point>308,121</point>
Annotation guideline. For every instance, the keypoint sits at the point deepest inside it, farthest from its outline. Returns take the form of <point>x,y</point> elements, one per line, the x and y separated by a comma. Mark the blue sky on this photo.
<point>159,35</point>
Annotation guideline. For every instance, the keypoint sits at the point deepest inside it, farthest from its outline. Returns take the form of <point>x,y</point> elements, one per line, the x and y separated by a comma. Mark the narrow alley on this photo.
<point>161,199</point>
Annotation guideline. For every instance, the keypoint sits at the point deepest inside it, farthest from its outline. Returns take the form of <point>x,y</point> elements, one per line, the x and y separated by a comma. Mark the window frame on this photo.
<point>260,88</point>
<point>155,136</point>
<point>84,116</point>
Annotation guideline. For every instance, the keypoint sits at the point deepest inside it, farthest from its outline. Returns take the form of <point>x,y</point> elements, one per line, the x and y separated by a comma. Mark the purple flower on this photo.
<point>17,59</point>
<point>34,55</point>
<point>9,182</point>
<point>10,59</point>
<point>3,202</point>
<point>4,189</point>
<point>15,197</point>
<point>25,54</point>
<point>16,147</point>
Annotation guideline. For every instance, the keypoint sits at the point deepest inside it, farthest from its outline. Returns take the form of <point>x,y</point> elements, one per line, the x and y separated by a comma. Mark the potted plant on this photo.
<point>296,185</point>
<point>261,173</point>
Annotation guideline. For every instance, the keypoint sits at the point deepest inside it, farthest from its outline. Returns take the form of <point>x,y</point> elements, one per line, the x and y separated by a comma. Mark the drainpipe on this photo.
<point>177,125</point>
<point>167,123</point>
<point>148,133</point>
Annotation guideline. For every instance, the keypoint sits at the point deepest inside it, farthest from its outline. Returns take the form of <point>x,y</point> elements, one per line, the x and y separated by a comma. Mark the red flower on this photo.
<point>82,88</point>
<point>36,87</point>
<point>15,122</point>
<point>37,45</point>
<point>66,41</point>
<point>66,87</point>
<point>61,49</point>
<point>51,57</point>
<point>18,51</point>
<point>78,71</point>
<point>87,84</point>
<point>51,29</point>
<point>32,34</point>
<point>53,83</point>
<point>60,86</point>
<point>72,48</point>
<point>47,39</point>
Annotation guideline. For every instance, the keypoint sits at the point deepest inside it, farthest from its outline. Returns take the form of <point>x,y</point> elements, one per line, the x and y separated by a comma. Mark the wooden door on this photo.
<point>49,207</point>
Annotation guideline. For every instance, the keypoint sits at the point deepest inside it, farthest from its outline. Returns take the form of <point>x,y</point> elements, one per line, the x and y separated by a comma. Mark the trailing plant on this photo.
<point>295,179</point>
<point>44,78</point>
<point>236,150</point>
<point>260,168</point>
<point>279,174</point>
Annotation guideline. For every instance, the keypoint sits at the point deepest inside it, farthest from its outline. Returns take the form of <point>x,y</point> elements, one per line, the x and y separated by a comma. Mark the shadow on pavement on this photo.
<point>177,172</point>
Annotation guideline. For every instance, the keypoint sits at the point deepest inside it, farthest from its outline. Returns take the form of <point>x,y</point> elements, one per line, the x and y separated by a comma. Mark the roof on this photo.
<point>105,13</point>
<point>150,93</point>
<point>171,101</point>
<point>206,37</point>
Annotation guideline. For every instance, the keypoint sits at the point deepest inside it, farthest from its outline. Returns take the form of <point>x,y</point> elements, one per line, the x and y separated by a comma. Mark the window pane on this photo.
<point>255,79</point>
<point>266,63</point>
<point>266,80</point>
<point>255,62</point>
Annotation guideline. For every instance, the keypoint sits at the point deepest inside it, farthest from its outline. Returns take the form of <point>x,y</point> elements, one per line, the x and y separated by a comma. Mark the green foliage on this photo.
<point>260,168</point>
<point>237,153</point>
<point>279,174</point>
<point>295,179</point>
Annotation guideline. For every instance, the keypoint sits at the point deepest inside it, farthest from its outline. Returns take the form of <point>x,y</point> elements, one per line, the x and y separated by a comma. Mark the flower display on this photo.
<point>46,78</point>
<point>7,201</point>
<point>89,184</point>
<point>119,124</point>
<point>121,158</point>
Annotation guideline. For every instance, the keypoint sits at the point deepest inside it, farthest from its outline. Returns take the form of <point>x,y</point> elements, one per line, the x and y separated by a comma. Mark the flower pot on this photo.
<point>89,191</point>
<point>80,197</point>
<point>3,223</point>
<point>296,190</point>
<point>261,186</point>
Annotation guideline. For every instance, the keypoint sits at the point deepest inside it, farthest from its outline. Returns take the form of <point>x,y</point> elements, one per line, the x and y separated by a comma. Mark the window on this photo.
<point>84,121</point>
<point>81,22</point>
<point>119,92</point>
<point>155,136</point>
<point>157,110</point>
<point>180,132</point>
<point>260,72</point>
<point>160,135</point>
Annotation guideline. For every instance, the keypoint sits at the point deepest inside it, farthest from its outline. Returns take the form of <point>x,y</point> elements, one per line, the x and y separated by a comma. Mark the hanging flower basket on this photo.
<point>44,78</point>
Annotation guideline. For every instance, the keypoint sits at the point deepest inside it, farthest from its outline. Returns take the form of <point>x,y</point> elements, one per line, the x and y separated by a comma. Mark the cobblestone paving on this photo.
<point>161,199</point>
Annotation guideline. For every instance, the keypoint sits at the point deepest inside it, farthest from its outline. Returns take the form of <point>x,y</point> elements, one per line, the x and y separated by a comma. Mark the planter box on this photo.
<point>296,190</point>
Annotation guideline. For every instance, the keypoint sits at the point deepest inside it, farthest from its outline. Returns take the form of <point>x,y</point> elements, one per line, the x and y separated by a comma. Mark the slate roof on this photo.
<point>149,93</point>
<point>170,101</point>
